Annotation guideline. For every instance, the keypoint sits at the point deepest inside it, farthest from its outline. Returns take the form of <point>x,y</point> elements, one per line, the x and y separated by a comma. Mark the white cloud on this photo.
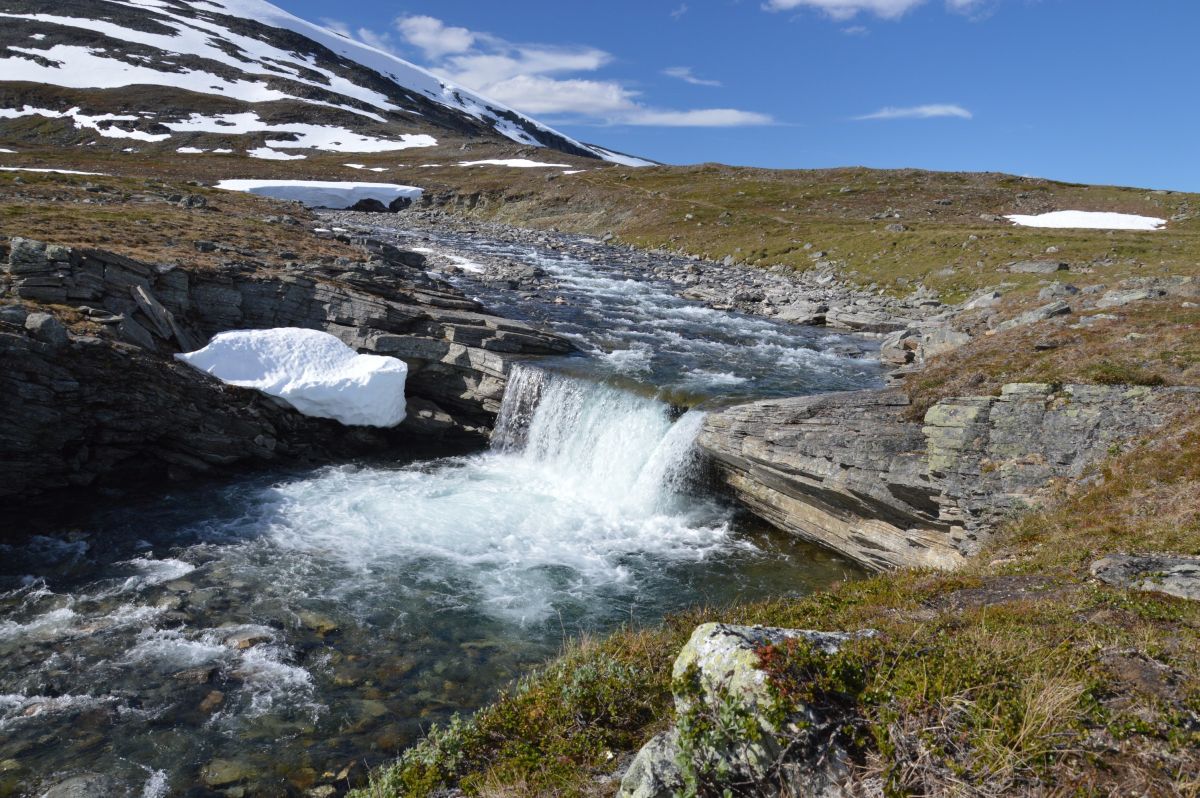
<point>705,117</point>
<point>380,41</point>
<point>546,79</point>
<point>477,69</point>
<point>685,74</point>
<point>433,37</point>
<point>848,9</point>
<point>920,112</point>
<point>679,12</point>
<point>537,94</point>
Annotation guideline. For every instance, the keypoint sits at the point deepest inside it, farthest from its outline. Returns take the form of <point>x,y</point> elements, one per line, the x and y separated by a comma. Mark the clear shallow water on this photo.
<point>294,629</point>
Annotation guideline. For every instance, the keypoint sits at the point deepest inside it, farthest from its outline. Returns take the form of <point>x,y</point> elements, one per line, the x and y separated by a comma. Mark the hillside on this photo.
<point>234,76</point>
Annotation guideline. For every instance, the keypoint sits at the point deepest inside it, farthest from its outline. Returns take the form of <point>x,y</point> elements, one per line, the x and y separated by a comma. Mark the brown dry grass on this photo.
<point>1150,343</point>
<point>135,218</point>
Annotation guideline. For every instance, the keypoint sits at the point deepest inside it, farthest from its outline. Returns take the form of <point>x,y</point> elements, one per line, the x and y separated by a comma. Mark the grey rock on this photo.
<point>850,471</point>
<point>1038,266</point>
<point>1155,573</point>
<point>720,666</point>
<point>1036,315</point>
<point>986,299</point>
<point>14,315</point>
<point>47,329</point>
<point>654,772</point>
<point>1116,299</point>
<point>1057,290</point>
<point>103,412</point>
<point>90,785</point>
<point>868,321</point>
<point>803,312</point>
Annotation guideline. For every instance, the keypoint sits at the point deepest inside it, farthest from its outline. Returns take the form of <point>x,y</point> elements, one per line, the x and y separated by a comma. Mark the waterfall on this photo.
<point>606,445</point>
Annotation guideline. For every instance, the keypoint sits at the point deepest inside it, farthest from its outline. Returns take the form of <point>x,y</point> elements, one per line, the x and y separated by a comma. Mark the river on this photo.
<point>267,634</point>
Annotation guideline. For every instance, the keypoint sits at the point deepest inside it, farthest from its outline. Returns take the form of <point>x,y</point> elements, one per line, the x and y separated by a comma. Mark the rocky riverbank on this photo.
<point>93,397</point>
<point>817,296</point>
<point>853,472</point>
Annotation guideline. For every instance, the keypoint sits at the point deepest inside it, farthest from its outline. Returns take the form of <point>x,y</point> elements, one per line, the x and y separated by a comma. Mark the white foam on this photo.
<point>52,625</point>
<point>583,483</point>
<point>312,371</point>
<point>153,572</point>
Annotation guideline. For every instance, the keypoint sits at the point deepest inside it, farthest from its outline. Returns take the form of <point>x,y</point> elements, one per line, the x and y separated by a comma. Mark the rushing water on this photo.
<point>639,330</point>
<point>290,630</point>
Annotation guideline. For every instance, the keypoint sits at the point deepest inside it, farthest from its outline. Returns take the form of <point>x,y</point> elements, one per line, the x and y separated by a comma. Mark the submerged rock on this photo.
<point>90,785</point>
<point>227,772</point>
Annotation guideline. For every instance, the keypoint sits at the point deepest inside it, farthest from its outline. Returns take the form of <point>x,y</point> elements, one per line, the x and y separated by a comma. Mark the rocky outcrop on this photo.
<point>850,471</point>
<point>1153,573</point>
<point>733,728</point>
<point>90,392</point>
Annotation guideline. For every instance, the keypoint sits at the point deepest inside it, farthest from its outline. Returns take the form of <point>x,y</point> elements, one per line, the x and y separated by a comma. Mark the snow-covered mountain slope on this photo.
<point>157,70</point>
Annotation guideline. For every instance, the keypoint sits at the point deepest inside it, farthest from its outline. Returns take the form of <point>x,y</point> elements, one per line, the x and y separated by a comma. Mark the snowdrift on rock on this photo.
<point>312,371</point>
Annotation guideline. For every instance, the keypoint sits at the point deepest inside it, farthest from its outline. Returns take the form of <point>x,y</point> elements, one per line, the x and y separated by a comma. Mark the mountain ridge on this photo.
<point>226,68</point>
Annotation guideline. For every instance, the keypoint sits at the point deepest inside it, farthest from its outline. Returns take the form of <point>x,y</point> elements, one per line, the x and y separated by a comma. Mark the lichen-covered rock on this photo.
<point>731,727</point>
<point>654,772</point>
<point>1155,573</point>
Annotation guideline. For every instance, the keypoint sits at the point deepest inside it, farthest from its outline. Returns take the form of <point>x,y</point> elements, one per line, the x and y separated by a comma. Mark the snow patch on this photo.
<point>268,154</point>
<point>1089,220</point>
<point>312,371</point>
<point>516,163</point>
<point>190,150</point>
<point>322,193</point>
<point>83,121</point>
<point>49,171</point>
<point>301,135</point>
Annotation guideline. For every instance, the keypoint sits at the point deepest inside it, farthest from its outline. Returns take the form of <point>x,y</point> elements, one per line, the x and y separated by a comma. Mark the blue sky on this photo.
<point>1097,91</point>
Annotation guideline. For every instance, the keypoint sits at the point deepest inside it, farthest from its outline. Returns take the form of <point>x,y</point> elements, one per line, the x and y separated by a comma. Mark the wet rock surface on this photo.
<point>850,471</point>
<point>91,394</point>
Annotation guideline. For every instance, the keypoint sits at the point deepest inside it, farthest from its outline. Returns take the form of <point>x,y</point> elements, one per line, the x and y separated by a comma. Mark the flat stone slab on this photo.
<point>1174,576</point>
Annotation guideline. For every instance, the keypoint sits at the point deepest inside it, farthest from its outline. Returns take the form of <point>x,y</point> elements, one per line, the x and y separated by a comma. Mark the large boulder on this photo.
<point>733,728</point>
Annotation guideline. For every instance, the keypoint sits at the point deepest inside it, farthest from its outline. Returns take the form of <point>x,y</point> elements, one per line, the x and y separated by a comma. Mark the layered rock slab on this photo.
<point>103,401</point>
<point>853,472</point>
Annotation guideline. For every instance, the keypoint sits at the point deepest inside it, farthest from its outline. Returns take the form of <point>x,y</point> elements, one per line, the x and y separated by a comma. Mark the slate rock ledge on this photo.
<point>91,396</point>
<point>852,472</point>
